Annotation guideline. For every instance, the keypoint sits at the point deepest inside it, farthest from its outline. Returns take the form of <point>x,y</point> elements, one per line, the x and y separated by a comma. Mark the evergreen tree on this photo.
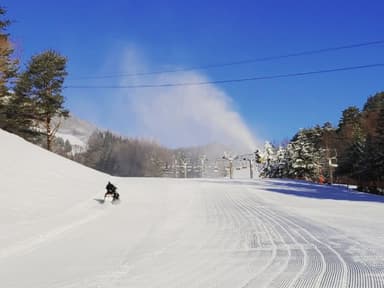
<point>101,150</point>
<point>42,83</point>
<point>8,69</point>
<point>18,117</point>
<point>349,136</point>
<point>67,147</point>
<point>269,159</point>
<point>349,122</point>
<point>353,157</point>
<point>374,102</point>
<point>281,167</point>
<point>61,147</point>
<point>289,156</point>
<point>379,148</point>
<point>380,129</point>
<point>367,173</point>
<point>306,157</point>
<point>358,143</point>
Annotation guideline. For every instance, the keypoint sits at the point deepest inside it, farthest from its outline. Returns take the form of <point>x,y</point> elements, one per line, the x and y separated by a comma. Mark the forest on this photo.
<point>351,153</point>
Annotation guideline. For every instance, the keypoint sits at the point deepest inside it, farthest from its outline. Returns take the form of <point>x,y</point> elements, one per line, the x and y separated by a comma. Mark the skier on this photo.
<point>111,190</point>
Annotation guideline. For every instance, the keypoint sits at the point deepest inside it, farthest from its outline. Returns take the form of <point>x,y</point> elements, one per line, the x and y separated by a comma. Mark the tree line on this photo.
<point>31,97</point>
<point>351,153</point>
<point>121,156</point>
<point>129,157</point>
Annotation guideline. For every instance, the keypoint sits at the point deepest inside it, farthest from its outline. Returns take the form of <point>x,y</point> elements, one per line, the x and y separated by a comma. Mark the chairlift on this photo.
<point>333,162</point>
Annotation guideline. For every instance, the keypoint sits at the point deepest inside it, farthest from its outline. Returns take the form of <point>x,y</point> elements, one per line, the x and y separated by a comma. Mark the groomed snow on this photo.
<point>56,233</point>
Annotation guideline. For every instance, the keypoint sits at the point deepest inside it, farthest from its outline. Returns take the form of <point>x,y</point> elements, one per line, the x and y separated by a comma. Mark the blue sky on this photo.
<point>103,38</point>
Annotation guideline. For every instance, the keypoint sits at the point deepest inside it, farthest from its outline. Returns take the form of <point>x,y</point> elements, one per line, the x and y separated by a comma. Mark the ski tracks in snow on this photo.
<point>318,255</point>
<point>34,242</point>
<point>234,239</point>
<point>227,236</point>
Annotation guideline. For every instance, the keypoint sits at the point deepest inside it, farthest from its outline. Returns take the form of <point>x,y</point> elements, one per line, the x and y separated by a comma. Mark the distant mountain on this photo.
<point>75,130</point>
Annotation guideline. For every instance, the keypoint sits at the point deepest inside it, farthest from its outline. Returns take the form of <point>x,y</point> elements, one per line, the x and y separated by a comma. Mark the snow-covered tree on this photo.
<point>269,160</point>
<point>305,157</point>
<point>281,167</point>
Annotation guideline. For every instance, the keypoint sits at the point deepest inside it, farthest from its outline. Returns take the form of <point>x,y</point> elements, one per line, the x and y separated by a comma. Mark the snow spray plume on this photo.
<point>183,116</point>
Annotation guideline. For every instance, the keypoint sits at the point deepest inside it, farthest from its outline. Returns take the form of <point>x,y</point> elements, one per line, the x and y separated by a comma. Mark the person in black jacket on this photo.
<point>111,190</point>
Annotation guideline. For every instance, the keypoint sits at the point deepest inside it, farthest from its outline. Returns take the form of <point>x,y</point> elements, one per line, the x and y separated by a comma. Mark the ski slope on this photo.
<point>56,233</point>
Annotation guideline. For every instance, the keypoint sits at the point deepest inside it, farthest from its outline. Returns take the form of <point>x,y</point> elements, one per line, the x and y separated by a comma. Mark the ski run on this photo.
<point>57,233</point>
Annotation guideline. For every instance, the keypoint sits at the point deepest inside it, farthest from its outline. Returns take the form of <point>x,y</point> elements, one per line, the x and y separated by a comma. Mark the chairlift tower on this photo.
<point>203,160</point>
<point>230,159</point>
<point>332,161</point>
<point>184,165</point>
<point>250,166</point>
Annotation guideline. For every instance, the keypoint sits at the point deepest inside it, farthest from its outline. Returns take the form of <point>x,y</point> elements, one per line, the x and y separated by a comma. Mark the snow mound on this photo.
<point>39,181</point>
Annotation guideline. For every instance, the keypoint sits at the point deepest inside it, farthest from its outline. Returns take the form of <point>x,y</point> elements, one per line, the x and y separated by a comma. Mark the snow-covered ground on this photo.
<point>56,233</point>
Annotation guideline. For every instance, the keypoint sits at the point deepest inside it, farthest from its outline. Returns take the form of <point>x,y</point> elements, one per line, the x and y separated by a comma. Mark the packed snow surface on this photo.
<point>56,231</point>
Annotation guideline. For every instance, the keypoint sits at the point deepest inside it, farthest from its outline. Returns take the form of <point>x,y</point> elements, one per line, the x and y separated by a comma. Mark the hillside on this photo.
<point>75,130</point>
<point>55,231</point>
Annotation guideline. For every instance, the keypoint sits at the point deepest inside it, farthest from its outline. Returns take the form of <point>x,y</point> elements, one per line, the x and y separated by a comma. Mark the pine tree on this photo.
<point>379,147</point>
<point>367,174</point>
<point>306,157</point>
<point>289,158</point>
<point>42,83</point>
<point>374,102</point>
<point>353,157</point>
<point>8,69</point>
<point>18,117</point>
<point>269,158</point>
<point>349,122</point>
<point>281,163</point>
<point>371,165</point>
<point>102,151</point>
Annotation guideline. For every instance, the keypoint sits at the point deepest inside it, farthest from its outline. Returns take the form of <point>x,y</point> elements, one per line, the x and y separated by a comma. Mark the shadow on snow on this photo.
<point>306,189</point>
<point>100,201</point>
